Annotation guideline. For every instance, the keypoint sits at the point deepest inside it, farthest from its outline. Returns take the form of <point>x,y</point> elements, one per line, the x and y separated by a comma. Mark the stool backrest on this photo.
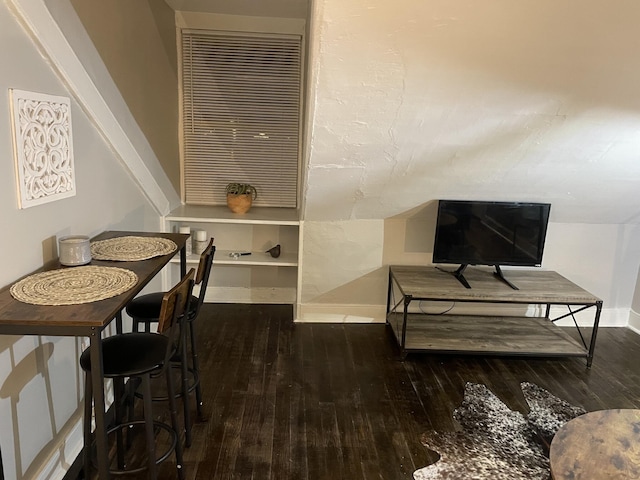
<point>202,277</point>
<point>174,303</point>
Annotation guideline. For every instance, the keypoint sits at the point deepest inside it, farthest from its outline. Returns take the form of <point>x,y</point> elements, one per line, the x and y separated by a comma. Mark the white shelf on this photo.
<point>217,214</point>
<point>255,278</point>
<point>222,257</point>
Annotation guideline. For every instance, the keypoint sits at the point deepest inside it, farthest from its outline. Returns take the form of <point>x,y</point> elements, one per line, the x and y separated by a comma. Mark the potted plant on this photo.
<point>240,196</point>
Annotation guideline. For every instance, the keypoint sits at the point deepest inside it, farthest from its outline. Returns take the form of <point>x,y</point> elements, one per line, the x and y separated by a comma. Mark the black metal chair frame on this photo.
<point>188,339</point>
<point>142,356</point>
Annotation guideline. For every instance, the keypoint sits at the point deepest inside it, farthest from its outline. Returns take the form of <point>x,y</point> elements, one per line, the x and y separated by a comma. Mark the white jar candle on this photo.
<point>74,250</point>
<point>200,241</point>
<point>186,229</point>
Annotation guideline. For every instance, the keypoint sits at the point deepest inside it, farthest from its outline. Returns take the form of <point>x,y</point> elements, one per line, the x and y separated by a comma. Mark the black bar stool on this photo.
<point>145,310</point>
<point>141,356</point>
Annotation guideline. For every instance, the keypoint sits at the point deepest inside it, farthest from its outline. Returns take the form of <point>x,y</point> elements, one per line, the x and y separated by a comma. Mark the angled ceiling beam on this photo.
<point>95,91</point>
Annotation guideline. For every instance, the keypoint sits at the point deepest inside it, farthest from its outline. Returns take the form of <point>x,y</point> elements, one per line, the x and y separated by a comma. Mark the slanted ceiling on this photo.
<point>523,100</point>
<point>418,100</point>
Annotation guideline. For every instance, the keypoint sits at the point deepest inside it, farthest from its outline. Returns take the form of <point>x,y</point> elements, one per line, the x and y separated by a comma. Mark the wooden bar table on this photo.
<point>88,320</point>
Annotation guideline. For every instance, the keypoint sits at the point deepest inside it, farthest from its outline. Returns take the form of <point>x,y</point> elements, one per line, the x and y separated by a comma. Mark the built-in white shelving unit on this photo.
<point>254,278</point>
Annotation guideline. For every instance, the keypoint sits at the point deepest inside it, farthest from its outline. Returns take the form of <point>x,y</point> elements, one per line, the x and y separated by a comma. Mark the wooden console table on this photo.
<point>487,334</point>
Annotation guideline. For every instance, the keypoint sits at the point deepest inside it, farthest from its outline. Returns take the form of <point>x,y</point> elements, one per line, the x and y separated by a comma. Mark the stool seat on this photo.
<point>146,308</point>
<point>129,354</point>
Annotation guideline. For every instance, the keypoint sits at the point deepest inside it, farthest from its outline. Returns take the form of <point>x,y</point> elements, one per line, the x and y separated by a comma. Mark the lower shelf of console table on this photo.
<point>489,334</point>
<point>486,335</point>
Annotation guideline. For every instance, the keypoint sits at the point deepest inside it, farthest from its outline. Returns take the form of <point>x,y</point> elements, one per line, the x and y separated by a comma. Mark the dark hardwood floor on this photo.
<point>327,401</point>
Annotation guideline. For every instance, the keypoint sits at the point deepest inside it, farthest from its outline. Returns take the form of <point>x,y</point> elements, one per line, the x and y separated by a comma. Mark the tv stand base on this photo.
<point>498,273</point>
<point>459,275</point>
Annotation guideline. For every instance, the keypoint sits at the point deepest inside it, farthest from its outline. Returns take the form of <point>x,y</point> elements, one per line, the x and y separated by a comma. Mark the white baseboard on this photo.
<point>634,321</point>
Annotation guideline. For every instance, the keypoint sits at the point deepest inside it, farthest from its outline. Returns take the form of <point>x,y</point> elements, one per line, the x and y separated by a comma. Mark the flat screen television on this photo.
<point>470,232</point>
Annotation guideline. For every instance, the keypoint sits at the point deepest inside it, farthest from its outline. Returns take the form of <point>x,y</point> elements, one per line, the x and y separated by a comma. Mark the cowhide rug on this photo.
<point>495,442</point>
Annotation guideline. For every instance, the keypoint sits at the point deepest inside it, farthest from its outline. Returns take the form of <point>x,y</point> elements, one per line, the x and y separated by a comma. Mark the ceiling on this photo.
<point>415,101</point>
<point>261,8</point>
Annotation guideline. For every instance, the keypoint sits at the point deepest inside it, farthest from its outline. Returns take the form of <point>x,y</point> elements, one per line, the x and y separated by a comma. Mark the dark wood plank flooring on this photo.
<point>327,401</point>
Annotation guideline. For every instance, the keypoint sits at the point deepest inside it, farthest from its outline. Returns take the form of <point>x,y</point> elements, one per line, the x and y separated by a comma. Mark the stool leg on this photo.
<point>171,394</point>
<point>196,368</point>
<point>184,367</point>
<point>132,385</point>
<point>118,388</point>
<point>88,404</point>
<point>148,420</point>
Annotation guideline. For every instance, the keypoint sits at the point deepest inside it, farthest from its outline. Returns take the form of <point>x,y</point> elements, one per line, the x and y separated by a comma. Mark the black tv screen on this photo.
<point>490,233</point>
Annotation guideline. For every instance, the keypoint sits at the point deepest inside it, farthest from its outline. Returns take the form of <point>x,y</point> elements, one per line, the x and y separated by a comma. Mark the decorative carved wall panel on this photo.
<point>43,147</point>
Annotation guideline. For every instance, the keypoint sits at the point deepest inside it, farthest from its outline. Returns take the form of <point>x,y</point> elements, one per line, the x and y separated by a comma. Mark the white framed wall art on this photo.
<point>43,147</point>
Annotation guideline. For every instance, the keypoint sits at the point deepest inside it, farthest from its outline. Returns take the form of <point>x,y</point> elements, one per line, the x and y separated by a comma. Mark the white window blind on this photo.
<point>241,116</point>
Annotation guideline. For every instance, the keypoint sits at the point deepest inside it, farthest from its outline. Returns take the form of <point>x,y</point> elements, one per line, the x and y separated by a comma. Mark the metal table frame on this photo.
<point>416,283</point>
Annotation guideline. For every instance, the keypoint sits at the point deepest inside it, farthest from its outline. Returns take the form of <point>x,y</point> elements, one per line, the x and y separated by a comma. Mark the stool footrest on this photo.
<point>128,426</point>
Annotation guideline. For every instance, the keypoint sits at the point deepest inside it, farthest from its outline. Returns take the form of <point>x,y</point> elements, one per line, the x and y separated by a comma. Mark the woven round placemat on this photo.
<point>131,248</point>
<point>71,286</point>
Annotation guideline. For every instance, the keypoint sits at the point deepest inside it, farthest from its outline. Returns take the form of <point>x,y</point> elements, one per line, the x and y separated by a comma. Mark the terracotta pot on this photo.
<point>239,203</point>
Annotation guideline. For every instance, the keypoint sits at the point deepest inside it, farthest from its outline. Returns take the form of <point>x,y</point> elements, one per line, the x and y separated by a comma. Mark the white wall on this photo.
<point>602,259</point>
<point>40,381</point>
<point>344,275</point>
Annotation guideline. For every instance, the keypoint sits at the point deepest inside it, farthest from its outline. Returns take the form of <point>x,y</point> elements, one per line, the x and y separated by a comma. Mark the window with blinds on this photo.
<point>241,97</point>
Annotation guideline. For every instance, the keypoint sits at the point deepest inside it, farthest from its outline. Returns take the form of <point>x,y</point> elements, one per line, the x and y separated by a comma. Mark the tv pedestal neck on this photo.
<point>459,274</point>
